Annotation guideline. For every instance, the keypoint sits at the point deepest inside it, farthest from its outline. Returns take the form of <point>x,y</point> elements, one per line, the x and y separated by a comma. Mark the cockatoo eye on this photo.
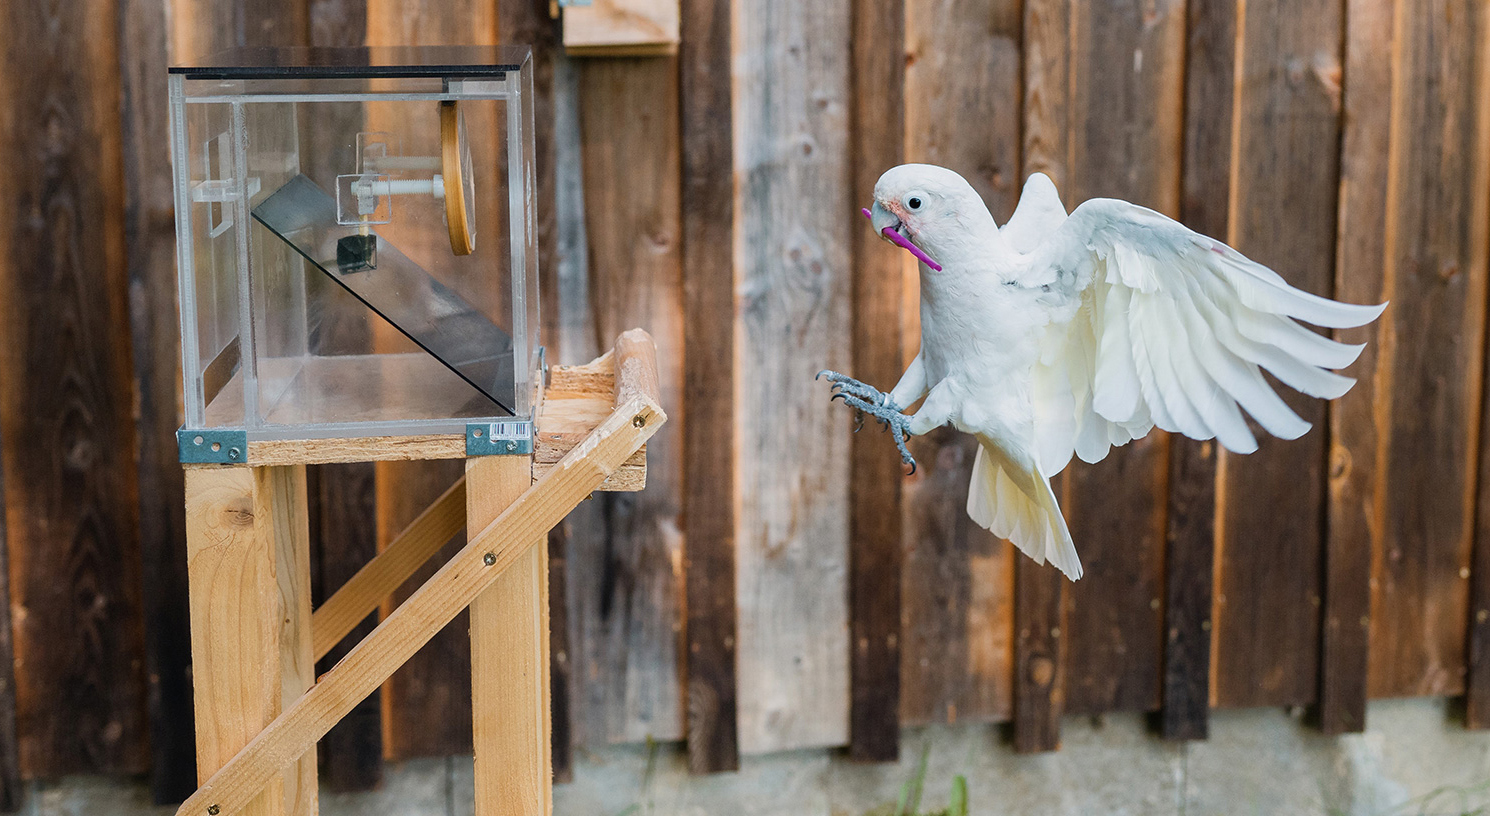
<point>914,203</point>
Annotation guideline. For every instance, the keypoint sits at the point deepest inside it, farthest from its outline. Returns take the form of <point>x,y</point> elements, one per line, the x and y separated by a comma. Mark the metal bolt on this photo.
<point>639,422</point>
<point>511,445</point>
<point>489,559</point>
<point>234,453</point>
<point>213,810</point>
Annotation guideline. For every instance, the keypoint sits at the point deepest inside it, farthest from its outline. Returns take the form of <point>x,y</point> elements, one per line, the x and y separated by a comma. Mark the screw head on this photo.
<point>489,559</point>
<point>213,810</point>
<point>234,453</point>
<point>639,422</point>
<point>511,445</point>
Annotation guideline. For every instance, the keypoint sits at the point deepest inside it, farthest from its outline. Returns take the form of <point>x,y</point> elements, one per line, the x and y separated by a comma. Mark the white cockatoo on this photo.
<point>1057,334</point>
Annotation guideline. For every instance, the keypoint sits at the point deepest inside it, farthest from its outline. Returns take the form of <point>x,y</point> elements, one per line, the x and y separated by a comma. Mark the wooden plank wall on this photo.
<point>781,585</point>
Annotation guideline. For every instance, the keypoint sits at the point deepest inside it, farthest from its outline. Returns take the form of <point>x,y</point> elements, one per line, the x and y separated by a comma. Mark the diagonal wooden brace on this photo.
<point>635,418</point>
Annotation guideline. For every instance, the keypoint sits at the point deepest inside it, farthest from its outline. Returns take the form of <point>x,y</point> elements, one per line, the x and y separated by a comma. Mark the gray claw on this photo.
<point>866,399</point>
<point>890,416</point>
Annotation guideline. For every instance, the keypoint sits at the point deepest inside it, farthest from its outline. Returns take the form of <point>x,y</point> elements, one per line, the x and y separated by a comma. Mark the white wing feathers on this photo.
<point>1157,325</point>
<point>1039,212</point>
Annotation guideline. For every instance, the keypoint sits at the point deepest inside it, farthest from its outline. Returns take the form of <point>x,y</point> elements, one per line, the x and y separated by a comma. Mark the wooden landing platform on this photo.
<point>575,401</point>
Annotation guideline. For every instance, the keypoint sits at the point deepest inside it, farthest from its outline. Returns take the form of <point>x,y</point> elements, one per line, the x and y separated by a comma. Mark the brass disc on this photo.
<point>460,187</point>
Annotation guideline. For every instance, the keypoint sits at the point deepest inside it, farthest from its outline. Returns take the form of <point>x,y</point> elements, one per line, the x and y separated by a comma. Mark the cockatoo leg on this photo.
<point>866,399</point>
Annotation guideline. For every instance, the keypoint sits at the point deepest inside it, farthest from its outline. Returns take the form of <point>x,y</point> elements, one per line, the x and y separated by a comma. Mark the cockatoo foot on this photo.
<point>866,399</point>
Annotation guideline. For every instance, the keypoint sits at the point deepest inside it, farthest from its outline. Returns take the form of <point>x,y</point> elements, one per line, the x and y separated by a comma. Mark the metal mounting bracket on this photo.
<point>214,447</point>
<point>505,437</point>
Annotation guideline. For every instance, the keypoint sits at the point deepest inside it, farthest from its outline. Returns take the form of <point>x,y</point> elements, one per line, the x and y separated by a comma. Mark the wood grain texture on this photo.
<point>426,706</point>
<point>1270,508</point>
<point>1039,643</point>
<point>710,509</point>
<point>957,660</point>
<point>792,158</point>
<point>1126,135</point>
<point>509,656</point>
<point>957,579</point>
<point>1189,561</point>
<point>399,637</point>
<point>71,498</point>
<point>1358,428</point>
<point>622,28</point>
<point>630,587</point>
<point>249,571</point>
<point>12,792</point>
<point>1189,575</point>
<point>150,240</point>
<point>1437,188</point>
<point>878,126</point>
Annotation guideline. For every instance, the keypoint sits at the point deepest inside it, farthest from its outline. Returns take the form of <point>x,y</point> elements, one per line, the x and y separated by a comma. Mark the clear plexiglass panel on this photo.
<point>356,239</point>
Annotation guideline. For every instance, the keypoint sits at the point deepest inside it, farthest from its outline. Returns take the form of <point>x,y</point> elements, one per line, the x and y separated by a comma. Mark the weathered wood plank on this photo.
<point>1358,430</point>
<point>709,509</point>
<point>629,610</point>
<point>1189,576</point>
<point>957,579</point>
<point>150,239</point>
<point>1189,561</point>
<point>793,165</point>
<point>1126,136</point>
<point>1039,660</point>
<point>878,126</point>
<point>1438,183</point>
<point>66,409</point>
<point>1270,505</point>
<point>12,792</point>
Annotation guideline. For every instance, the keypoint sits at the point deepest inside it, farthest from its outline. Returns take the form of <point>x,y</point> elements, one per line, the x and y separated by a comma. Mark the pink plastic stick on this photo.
<point>900,241</point>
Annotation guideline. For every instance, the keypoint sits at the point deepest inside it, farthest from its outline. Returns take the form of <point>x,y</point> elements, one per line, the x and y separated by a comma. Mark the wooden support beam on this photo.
<point>509,657</point>
<point>361,595</point>
<point>708,384</point>
<point>469,573</point>
<point>248,564</point>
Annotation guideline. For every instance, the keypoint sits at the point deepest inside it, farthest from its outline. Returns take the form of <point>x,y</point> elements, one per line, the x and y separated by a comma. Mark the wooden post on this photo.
<point>248,564</point>
<point>509,657</point>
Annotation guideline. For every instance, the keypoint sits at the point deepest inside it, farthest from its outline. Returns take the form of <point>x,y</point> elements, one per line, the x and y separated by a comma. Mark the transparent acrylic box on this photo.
<point>356,249</point>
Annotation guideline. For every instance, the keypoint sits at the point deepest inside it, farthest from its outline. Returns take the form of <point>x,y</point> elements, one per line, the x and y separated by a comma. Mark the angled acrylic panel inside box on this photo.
<point>356,240</point>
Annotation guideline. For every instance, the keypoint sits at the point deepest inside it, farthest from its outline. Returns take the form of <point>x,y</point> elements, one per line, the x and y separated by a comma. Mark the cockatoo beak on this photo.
<point>881,218</point>
<point>888,224</point>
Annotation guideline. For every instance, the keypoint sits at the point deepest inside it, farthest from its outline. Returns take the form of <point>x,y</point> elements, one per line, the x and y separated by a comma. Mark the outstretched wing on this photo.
<point>1158,325</point>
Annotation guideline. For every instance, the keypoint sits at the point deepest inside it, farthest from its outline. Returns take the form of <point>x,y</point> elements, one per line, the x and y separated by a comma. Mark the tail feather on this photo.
<point>1020,506</point>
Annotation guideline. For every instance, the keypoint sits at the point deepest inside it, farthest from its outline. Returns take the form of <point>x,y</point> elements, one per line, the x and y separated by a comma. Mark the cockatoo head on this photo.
<point>933,207</point>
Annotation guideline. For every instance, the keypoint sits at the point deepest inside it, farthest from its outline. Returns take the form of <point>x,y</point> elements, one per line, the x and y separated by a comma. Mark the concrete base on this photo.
<point>1413,760</point>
